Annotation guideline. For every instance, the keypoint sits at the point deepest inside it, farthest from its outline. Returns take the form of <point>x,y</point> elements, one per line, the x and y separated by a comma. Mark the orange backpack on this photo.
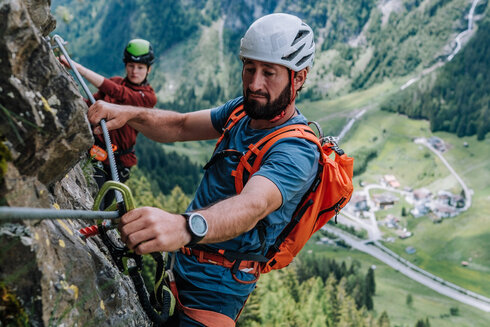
<point>330,192</point>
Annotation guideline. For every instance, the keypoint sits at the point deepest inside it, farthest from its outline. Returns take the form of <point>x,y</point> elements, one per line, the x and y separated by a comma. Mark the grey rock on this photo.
<point>58,278</point>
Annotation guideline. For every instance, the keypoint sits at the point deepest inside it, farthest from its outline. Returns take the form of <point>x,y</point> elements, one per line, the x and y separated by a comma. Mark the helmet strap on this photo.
<point>283,113</point>
<point>293,91</point>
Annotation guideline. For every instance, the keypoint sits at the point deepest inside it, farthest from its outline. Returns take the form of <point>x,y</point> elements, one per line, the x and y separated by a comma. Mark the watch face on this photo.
<point>198,225</point>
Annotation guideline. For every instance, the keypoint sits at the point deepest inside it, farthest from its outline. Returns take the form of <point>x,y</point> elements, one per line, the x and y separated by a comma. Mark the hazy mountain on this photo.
<point>358,42</point>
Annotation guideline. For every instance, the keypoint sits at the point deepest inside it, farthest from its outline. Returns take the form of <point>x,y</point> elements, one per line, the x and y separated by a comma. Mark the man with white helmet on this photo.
<point>212,282</point>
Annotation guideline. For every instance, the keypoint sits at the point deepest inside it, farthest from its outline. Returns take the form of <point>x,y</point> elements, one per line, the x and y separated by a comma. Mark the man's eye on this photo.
<point>266,73</point>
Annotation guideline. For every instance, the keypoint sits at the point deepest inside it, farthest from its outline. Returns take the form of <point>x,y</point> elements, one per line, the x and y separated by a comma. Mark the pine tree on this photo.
<point>177,201</point>
<point>370,282</point>
<point>349,314</point>
<point>331,300</point>
<point>422,323</point>
<point>383,320</point>
<point>409,300</point>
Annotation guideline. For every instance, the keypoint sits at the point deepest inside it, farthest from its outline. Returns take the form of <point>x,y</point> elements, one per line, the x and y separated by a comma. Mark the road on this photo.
<point>461,35</point>
<point>457,40</point>
<point>466,190</point>
<point>351,122</point>
<point>377,250</point>
<point>413,272</point>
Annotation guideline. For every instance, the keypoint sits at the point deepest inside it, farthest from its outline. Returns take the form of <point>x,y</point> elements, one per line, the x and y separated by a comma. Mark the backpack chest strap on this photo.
<point>257,151</point>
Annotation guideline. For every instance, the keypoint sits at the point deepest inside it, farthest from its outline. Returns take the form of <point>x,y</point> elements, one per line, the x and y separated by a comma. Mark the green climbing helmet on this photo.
<point>140,51</point>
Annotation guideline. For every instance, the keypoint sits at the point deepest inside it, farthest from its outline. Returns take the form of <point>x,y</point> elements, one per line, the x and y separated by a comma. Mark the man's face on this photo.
<point>266,89</point>
<point>136,72</point>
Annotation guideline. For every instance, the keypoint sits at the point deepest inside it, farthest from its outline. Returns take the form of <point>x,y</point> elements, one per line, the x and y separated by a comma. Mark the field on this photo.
<point>393,288</point>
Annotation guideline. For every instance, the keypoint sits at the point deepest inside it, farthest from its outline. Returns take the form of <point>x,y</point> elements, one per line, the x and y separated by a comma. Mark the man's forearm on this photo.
<point>234,216</point>
<point>230,218</point>
<point>159,125</point>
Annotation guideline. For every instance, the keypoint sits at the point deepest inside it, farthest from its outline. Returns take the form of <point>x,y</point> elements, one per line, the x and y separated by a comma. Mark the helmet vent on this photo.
<point>300,36</point>
<point>293,55</point>
<point>305,58</point>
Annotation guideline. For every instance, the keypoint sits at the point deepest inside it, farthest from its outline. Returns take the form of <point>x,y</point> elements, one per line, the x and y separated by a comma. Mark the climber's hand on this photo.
<point>62,59</point>
<point>115,115</point>
<point>148,229</point>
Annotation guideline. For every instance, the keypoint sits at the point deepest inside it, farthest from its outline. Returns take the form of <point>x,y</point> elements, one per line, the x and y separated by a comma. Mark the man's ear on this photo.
<point>300,78</point>
<point>149,69</point>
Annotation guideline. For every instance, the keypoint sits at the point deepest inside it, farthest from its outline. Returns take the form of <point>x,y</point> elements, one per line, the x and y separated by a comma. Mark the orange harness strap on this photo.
<point>246,266</point>
<point>205,317</point>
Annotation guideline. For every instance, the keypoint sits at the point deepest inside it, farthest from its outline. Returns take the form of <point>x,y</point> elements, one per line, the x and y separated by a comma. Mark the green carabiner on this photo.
<point>116,186</point>
<point>119,254</point>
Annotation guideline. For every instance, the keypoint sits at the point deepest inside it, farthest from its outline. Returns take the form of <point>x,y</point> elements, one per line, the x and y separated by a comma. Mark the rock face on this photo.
<point>51,275</point>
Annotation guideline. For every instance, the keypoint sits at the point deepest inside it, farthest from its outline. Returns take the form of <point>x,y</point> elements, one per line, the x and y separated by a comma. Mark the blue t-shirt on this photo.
<point>291,164</point>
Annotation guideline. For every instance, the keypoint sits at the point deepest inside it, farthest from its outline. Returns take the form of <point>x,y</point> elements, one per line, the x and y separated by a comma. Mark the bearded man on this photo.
<point>213,281</point>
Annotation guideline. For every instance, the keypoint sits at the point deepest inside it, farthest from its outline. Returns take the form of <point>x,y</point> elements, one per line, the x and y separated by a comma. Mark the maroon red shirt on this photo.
<point>119,90</point>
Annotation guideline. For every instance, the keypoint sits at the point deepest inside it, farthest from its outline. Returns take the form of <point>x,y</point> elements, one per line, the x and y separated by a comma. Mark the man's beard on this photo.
<point>268,111</point>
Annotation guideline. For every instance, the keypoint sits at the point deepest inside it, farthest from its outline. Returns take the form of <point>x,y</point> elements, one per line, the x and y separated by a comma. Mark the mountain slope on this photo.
<point>358,42</point>
<point>456,99</point>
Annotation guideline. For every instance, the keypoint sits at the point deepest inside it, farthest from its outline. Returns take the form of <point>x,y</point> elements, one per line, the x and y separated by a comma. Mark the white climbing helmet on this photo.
<point>280,39</point>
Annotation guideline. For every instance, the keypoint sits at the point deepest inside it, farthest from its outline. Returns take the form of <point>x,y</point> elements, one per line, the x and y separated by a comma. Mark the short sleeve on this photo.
<point>290,164</point>
<point>220,115</point>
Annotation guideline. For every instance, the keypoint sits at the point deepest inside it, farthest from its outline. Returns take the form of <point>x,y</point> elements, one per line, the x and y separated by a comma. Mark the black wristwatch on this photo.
<point>197,227</point>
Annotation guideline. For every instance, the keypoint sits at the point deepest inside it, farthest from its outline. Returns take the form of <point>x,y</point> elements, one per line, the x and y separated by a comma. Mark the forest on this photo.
<point>458,100</point>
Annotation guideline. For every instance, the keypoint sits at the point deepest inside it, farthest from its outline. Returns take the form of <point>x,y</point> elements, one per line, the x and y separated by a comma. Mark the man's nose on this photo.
<point>256,82</point>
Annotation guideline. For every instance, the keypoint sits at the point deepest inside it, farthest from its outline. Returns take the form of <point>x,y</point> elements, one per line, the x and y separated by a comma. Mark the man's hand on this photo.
<point>148,229</point>
<point>116,116</point>
<point>62,59</point>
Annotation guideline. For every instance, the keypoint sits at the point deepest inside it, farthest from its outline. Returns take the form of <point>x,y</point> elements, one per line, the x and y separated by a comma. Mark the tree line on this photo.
<point>165,170</point>
<point>316,291</point>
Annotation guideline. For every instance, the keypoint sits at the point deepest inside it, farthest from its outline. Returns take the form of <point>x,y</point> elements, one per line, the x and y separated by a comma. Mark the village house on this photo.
<point>403,233</point>
<point>450,199</point>
<point>358,202</point>
<point>444,197</point>
<point>422,195</point>
<point>444,211</point>
<point>384,200</point>
<point>391,221</point>
<point>391,181</point>
<point>437,143</point>
<point>420,209</point>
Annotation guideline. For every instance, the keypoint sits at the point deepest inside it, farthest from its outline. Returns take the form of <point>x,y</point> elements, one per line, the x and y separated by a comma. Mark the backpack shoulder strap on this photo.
<point>259,149</point>
<point>237,114</point>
